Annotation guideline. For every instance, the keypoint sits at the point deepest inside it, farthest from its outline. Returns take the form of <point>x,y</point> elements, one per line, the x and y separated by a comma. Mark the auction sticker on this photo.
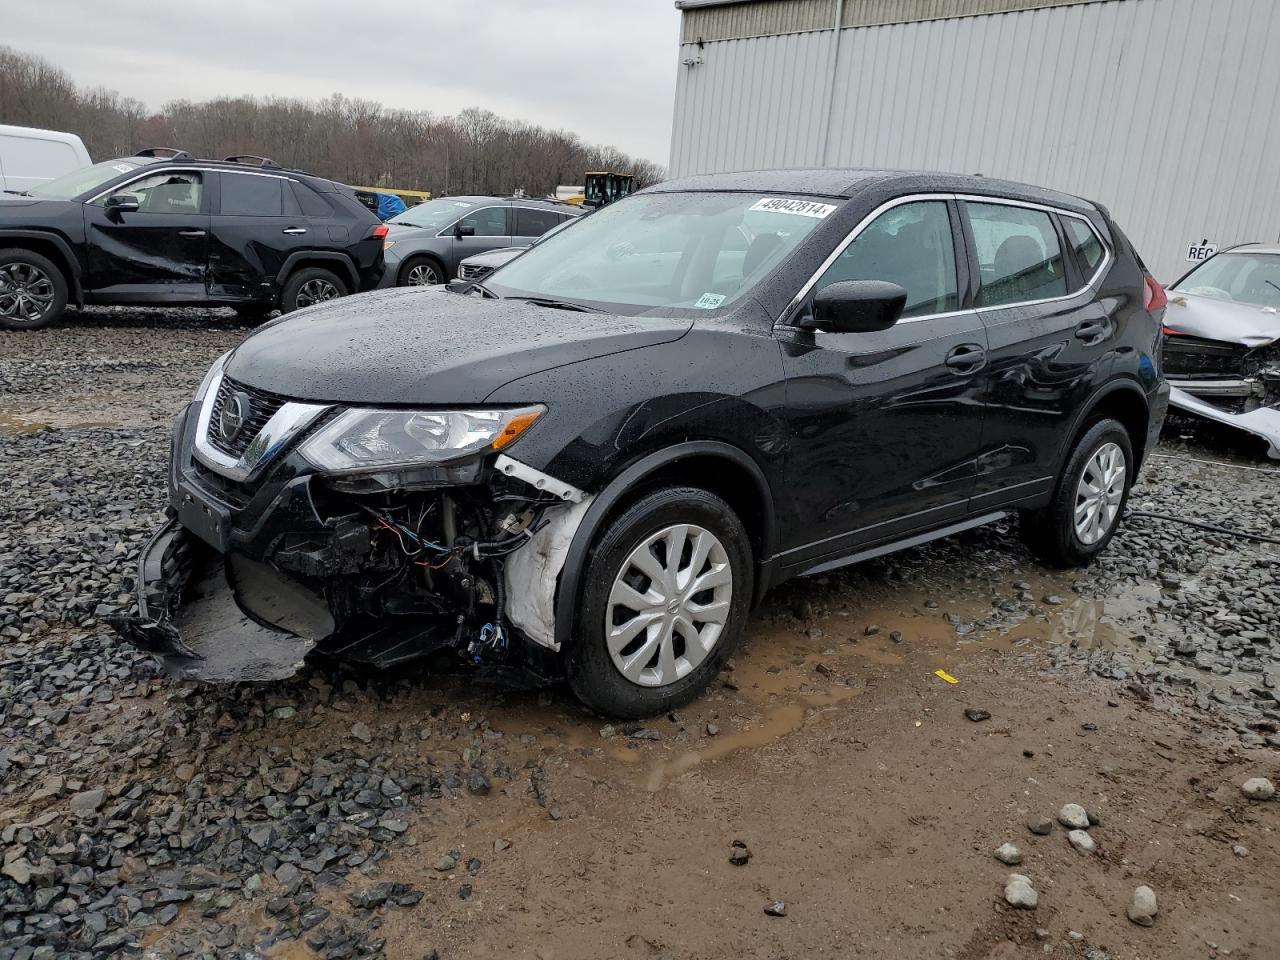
<point>801,208</point>
<point>709,301</point>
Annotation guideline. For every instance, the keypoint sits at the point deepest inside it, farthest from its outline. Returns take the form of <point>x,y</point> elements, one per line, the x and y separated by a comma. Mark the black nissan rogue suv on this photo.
<point>165,229</point>
<point>596,461</point>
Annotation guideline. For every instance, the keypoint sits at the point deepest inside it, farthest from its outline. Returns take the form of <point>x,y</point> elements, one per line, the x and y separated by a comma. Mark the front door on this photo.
<point>885,426</point>
<point>156,254</point>
<point>483,229</point>
<point>1050,341</point>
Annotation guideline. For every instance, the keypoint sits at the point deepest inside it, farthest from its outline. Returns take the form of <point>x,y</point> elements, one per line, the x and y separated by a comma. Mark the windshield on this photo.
<point>82,181</point>
<point>1240,277</point>
<point>434,214</point>
<point>664,250</point>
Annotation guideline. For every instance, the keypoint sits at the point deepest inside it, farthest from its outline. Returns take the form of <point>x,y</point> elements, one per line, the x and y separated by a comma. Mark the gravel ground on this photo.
<point>341,814</point>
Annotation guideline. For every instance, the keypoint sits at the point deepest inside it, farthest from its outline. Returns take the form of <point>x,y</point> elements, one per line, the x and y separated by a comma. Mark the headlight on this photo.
<point>361,440</point>
<point>207,382</point>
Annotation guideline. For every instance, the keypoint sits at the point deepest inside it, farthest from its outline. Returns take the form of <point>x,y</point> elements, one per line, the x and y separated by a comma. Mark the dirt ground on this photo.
<point>870,804</point>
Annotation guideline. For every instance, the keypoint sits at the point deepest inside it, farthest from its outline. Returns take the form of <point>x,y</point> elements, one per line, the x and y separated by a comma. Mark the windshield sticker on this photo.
<point>123,167</point>
<point>801,208</point>
<point>709,301</point>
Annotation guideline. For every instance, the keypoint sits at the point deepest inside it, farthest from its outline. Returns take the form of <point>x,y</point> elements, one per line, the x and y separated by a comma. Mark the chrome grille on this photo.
<point>262,407</point>
<point>473,271</point>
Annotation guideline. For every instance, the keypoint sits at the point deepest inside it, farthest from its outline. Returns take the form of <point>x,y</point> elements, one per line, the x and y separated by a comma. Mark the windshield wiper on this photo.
<point>19,193</point>
<point>558,304</point>
<point>1276,285</point>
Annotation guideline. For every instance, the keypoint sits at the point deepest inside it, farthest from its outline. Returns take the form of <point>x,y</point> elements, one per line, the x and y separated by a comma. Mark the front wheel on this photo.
<point>422,272</point>
<point>33,291</point>
<point>664,603</point>
<point>1088,501</point>
<point>309,286</point>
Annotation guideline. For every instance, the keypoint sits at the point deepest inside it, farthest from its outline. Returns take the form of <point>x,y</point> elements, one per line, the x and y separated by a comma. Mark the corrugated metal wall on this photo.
<point>1167,111</point>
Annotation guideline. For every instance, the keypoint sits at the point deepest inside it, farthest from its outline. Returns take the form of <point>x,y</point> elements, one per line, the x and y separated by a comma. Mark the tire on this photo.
<point>1052,532</point>
<point>425,268</point>
<point>666,669</point>
<point>306,287</point>
<point>33,290</point>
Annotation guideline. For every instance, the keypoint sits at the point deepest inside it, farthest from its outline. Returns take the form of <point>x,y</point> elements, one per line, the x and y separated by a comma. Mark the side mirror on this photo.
<point>464,230</point>
<point>123,203</point>
<point>856,306</point>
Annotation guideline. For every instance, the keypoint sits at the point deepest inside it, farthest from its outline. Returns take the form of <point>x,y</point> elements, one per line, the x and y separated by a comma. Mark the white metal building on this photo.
<point>1166,111</point>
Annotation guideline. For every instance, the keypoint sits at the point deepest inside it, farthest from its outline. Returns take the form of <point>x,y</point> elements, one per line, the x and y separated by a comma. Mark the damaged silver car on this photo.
<point>1222,347</point>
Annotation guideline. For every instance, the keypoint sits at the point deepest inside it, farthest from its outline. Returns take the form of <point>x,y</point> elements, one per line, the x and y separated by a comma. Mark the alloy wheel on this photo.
<point>422,275</point>
<point>1099,493</point>
<point>26,292</point>
<point>668,605</point>
<point>315,291</point>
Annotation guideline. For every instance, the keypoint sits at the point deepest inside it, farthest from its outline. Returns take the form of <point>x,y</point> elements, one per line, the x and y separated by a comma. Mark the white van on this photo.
<point>31,157</point>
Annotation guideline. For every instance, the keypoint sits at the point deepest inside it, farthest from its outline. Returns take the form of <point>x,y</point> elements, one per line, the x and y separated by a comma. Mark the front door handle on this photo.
<point>191,233</point>
<point>294,230</point>
<point>966,358</point>
<point>1092,330</point>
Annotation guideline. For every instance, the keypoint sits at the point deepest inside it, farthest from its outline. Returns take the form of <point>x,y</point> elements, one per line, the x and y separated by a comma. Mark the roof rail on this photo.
<point>164,153</point>
<point>252,159</point>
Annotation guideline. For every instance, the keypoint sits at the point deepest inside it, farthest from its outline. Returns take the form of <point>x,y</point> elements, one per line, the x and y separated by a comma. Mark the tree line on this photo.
<point>350,140</point>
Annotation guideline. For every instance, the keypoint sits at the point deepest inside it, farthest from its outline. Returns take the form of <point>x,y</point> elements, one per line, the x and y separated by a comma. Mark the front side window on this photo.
<point>246,195</point>
<point>487,222</point>
<point>1242,277</point>
<point>534,223</point>
<point>174,193</point>
<point>910,245</point>
<point>1018,254</point>
<point>660,251</point>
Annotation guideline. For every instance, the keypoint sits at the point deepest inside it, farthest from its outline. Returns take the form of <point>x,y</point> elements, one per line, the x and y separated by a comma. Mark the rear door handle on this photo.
<point>966,358</point>
<point>1092,330</point>
<point>191,233</point>
<point>294,230</point>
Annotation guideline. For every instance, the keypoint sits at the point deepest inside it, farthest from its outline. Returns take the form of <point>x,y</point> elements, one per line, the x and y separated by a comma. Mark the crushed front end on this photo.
<point>374,535</point>
<point>1235,384</point>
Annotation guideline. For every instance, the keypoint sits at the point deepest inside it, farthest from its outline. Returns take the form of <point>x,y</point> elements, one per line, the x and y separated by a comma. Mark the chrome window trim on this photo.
<point>201,170</point>
<point>287,422</point>
<point>870,218</point>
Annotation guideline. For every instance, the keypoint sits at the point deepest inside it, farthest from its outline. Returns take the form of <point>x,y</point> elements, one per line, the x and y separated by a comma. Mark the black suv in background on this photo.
<point>593,462</point>
<point>171,230</point>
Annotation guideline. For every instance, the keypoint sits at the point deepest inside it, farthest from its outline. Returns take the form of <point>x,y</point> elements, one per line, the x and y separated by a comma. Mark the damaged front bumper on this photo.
<point>246,580</point>
<point>1236,384</point>
<point>1262,422</point>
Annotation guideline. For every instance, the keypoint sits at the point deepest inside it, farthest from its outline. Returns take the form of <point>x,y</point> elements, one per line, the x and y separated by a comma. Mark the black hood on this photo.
<point>14,203</point>
<point>427,346</point>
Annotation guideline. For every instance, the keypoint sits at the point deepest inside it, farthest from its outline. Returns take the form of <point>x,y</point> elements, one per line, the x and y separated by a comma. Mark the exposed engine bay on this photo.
<point>376,576</point>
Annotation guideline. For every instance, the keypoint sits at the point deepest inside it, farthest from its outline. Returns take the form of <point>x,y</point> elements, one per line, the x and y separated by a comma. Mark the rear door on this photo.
<point>1050,339</point>
<point>530,223</point>
<point>885,426</point>
<point>492,229</point>
<point>157,254</point>
<point>256,224</point>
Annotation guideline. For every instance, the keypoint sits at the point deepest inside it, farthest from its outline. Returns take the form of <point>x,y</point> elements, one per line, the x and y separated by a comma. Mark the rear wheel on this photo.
<point>665,600</point>
<point>1089,499</point>
<point>422,272</point>
<point>33,291</point>
<point>309,286</point>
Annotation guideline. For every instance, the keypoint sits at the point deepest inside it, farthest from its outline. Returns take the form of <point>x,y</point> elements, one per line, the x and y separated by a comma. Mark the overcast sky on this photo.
<point>603,68</point>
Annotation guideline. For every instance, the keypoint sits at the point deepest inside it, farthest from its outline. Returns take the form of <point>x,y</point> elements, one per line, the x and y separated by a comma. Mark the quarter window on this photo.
<point>312,203</point>
<point>249,196</point>
<point>178,193</point>
<point>1085,243</point>
<point>534,223</point>
<point>910,245</point>
<point>489,222</point>
<point>1018,254</point>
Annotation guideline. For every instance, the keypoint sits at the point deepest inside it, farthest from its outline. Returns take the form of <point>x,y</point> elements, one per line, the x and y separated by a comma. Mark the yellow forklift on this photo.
<point>603,187</point>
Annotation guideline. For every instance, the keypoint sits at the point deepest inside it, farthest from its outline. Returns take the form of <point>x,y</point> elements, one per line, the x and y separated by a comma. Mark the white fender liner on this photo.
<point>532,574</point>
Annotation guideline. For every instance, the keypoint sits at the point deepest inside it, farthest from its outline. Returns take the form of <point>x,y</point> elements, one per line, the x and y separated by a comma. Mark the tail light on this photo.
<point>380,232</point>
<point>1154,298</point>
<point>1168,331</point>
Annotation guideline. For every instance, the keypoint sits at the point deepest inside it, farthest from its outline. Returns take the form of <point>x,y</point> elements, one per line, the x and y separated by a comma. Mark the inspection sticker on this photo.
<point>709,301</point>
<point>801,208</point>
<point>123,167</point>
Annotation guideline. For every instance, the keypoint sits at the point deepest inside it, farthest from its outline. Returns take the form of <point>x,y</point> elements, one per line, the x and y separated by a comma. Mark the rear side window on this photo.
<point>1085,243</point>
<point>910,245</point>
<point>312,204</point>
<point>1018,254</point>
<point>534,223</point>
<point>249,196</point>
